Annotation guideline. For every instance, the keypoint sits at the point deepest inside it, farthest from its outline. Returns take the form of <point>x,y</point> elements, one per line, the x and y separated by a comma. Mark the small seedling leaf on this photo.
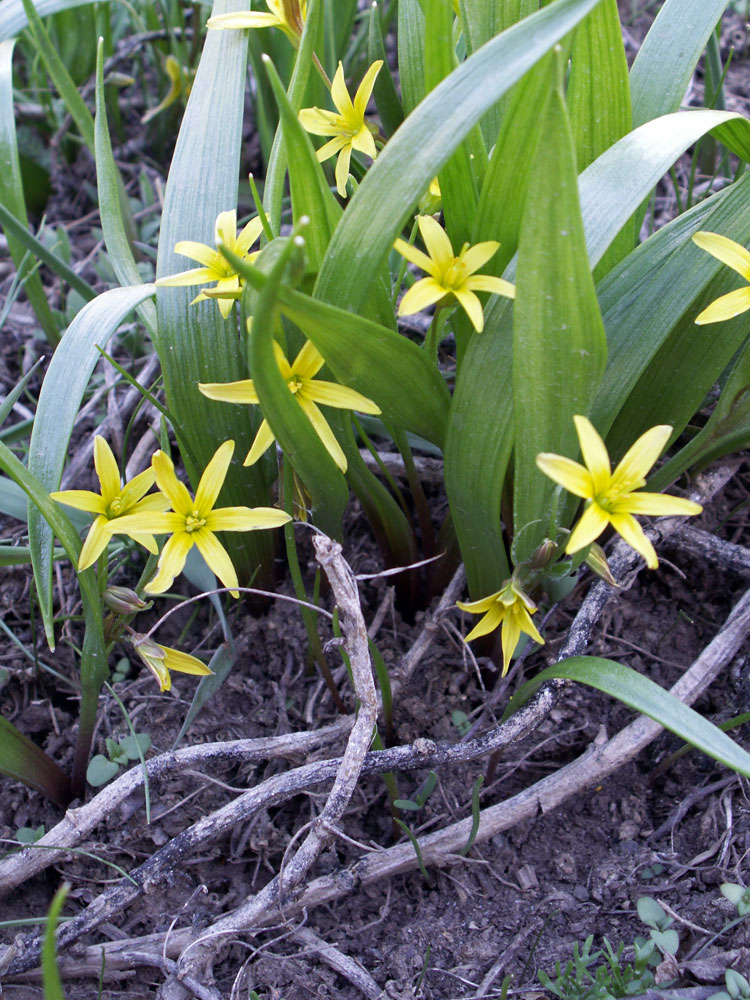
<point>100,770</point>
<point>651,913</point>
<point>131,743</point>
<point>666,941</point>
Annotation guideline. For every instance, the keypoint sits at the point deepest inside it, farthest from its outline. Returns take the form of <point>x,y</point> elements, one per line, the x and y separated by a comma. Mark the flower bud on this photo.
<point>597,563</point>
<point>123,600</point>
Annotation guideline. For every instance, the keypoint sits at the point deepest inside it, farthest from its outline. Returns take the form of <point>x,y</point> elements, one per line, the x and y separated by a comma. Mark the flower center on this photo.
<point>115,508</point>
<point>454,275</point>
<point>194,522</point>
<point>295,384</point>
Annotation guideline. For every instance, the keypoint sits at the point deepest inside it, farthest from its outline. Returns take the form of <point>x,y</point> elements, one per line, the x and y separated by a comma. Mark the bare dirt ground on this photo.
<point>572,860</point>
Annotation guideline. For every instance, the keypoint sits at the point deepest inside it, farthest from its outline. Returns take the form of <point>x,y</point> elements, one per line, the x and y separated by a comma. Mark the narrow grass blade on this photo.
<point>669,54</point>
<point>51,981</point>
<point>24,761</point>
<point>559,347</point>
<point>410,39</point>
<point>425,141</point>
<point>643,695</point>
<point>109,188</point>
<point>12,195</point>
<point>386,96</point>
<point>63,387</point>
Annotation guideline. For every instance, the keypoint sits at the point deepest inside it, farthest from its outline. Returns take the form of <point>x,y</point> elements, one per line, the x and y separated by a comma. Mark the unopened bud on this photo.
<point>597,563</point>
<point>544,555</point>
<point>123,600</point>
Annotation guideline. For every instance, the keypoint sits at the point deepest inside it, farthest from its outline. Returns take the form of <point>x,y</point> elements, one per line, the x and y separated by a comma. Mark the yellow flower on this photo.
<point>611,497</point>
<point>734,256</point>
<point>347,124</point>
<point>289,16</point>
<point>161,659</point>
<point>194,521</point>
<point>114,501</point>
<point>300,377</point>
<point>450,275</point>
<point>177,75</point>
<point>509,607</point>
<point>215,267</point>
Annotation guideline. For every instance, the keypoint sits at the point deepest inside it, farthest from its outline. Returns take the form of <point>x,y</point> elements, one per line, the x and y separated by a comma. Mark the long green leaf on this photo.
<point>410,39</point>
<point>559,347</point>
<point>425,141</point>
<point>646,697</point>
<point>13,16</point>
<point>53,988</point>
<point>59,400</point>
<point>24,761</point>
<point>110,202</point>
<point>669,54</point>
<point>11,192</point>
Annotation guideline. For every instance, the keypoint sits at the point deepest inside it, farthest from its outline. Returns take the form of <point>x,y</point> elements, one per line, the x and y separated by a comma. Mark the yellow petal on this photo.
<point>171,562</point>
<point>217,559</point>
<point>632,470</point>
<point>213,478</point>
<point>364,142</point>
<point>324,432</point>
<point>436,241</point>
<point>478,255</point>
<point>364,91</point>
<point>489,623</point>
<point>340,94</point>
<point>656,504</point>
<point>342,169</point>
<point>106,469</point>
<point>479,607</point>
<point>574,477</point>
<point>139,485</point>
<point>727,251</point>
<point>415,256</point>
<point>92,503</point>
<point>422,294</point>
<point>725,307</point>
<point>204,254</point>
<point>488,283</point>
<point>631,531</point>
<point>96,542</point>
<point>308,362</point>
<point>246,518</point>
<point>321,122</point>
<point>263,441</point>
<point>594,452</point>
<point>175,659</point>
<point>592,523</point>
<point>225,228</point>
<point>175,491</point>
<point>338,396</point>
<point>242,19</point>
<point>472,307</point>
<point>230,392</point>
<point>195,276</point>
<point>149,522</point>
<point>249,234</point>
<point>509,636</point>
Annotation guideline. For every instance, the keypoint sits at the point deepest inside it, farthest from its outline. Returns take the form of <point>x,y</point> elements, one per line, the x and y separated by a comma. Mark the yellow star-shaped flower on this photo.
<point>289,17</point>
<point>193,521</point>
<point>450,275</point>
<point>115,501</point>
<point>161,659</point>
<point>347,124</point>
<point>611,497</point>
<point>214,266</point>
<point>512,609</point>
<point>306,389</point>
<point>738,258</point>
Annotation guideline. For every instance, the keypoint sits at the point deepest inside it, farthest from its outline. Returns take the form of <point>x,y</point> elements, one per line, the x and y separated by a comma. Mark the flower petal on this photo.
<point>477,256</point>
<point>230,392</point>
<point>213,478</point>
<point>635,464</point>
<point>225,228</point>
<point>342,169</point>
<point>96,542</point>
<point>175,659</point>
<point>364,142</point>
<point>727,251</point>
<point>592,523</point>
<point>175,491</point>
<point>263,441</point>
<point>725,307</point>
<point>242,19</point>
<point>148,522</point>
<point>509,636</point>
<point>204,254</point>
<point>338,396</point>
<point>106,469</point>
<point>415,256</point>
<point>627,526</point>
<point>489,623</point>
<point>249,234</point>
<point>364,90</point>
<point>246,518</point>
<point>92,503</point>
<point>594,452</point>
<point>217,558</point>
<point>488,283</point>
<point>139,485</point>
<point>171,561</point>
<point>479,607</point>
<point>472,307</point>
<point>308,362</point>
<point>195,276</point>
<point>321,122</point>
<point>436,241</point>
<point>574,477</point>
<point>422,294</point>
<point>324,432</point>
<point>340,95</point>
<point>656,504</point>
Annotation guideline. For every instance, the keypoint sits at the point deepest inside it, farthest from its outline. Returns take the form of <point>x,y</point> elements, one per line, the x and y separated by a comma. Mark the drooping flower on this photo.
<point>115,501</point>
<point>450,275</point>
<point>288,15</point>
<point>738,258</point>
<point>509,607</point>
<point>611,497</point>
<point>193,521</point>
<point>306,389</point>
<point>346,125</point>
<point>180,80</point>
<point>161,659</point>
<point>214,266</point>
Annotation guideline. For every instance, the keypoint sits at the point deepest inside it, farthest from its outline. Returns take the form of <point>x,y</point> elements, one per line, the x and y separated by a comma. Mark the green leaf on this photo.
<point>644,696</point>
<point>12,195</point>
<point>669,54</point>
<point>13,16</point>
<point>109,189</point>
<point>51,981</point>
<point>24,761</point>
<point>135,746</point>
<point>100,770</point>
<point>410,39</point>
<point>559,346</point>
<point>386,96</point>
<point>60,397</point>
<point>425,141</point>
